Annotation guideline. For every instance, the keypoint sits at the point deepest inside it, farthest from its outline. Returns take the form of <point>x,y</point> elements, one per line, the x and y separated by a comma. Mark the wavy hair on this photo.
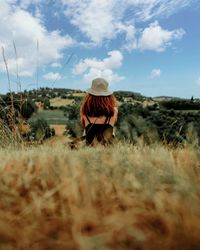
<point>96,106</point>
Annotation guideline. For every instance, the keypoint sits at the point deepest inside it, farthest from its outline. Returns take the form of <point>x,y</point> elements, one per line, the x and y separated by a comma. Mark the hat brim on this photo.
<point>97,93</point>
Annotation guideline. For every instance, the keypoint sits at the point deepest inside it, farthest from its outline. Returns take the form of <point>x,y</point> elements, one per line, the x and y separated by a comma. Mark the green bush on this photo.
<point>72,113</point>
<point>28,108</point>
<point>181,104</point>
<point>46,103</point>
<point>169,126</point>
<point>40,130</point>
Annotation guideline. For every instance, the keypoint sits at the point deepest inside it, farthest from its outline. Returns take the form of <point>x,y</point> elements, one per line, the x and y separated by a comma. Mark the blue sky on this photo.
<point>146,46</point>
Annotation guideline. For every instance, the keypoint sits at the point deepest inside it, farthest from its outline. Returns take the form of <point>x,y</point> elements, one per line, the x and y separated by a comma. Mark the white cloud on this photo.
<point>130,42</point>
<point>91,68</point>
<point>52,76</point>
<point>56,65</point>
<point>155,73</point>
<point>102,21</point>
<point>26,30</point>
<point>108,74</point>
<point>144,10</point>
<point>25,3</point>
<point>156,38</point>
<point>198,81</point>
<point>93,18</point>
<point>114,61</point>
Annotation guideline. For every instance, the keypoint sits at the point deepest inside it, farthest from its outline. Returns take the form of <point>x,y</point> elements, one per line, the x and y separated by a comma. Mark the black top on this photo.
<point>96,130</point>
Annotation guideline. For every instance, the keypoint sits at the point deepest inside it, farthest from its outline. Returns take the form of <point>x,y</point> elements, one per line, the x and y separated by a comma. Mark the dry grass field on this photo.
<point>79,94</point>
<point>58,102</point>
<point>120,197</point>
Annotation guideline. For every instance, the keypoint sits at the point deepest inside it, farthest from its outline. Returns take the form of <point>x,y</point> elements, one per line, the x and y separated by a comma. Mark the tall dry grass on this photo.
<point>120,197</point>
<point>9,137</point>
<point>9,131</point>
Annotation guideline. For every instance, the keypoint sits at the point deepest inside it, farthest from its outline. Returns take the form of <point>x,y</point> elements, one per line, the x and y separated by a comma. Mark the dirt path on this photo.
<point>59,129</point>
<point>59,137</point>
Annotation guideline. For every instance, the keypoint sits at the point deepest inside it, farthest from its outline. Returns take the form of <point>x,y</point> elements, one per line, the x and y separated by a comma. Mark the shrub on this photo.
<point>72,112</point>
<point>28,108</point>
<point>169,126</point>
<point>40,130</point>
<point>46,103</point>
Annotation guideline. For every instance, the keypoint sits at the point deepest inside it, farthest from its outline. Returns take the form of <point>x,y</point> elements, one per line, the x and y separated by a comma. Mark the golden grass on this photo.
<point>79,94</point>
<point>58,102</point>
<point>120,197</point>
<point>12,136</point>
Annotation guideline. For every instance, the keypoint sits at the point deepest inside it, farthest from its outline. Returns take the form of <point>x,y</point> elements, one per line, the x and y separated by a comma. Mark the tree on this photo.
<point>72,112</point>
<point>28,108</point>
<point>40,130</point>
<point>46,103</point>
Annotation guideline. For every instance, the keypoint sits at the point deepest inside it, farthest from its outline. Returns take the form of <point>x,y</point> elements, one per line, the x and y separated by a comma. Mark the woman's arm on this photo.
<point>83,121</point>
<point>115,115</point>
<point>113,119</point>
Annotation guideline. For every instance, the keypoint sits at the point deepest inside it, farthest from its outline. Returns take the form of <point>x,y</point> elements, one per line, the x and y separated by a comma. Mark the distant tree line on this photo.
<point>123,94</point>
<point>181,104</point>
<point>173,121</point>
<point>168,126</point>
<point>41,93</point>
<point>151,125</point>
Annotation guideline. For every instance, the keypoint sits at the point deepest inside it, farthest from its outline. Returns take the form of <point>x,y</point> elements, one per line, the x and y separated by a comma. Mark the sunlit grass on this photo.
<point>58,102</point>
<point>120,197</point>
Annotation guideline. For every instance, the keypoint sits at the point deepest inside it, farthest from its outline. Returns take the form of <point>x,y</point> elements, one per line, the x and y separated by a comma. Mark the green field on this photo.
<point>51,116</point>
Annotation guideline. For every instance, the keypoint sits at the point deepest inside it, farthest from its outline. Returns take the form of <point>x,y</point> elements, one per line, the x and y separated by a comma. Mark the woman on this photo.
<point>99,113</point>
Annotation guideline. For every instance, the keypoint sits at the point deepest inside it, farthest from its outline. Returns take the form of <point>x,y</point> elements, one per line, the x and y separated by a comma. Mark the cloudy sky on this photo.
<point>146,46</point>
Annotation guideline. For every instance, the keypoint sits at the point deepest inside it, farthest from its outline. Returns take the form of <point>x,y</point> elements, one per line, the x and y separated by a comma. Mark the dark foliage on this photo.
<point>72,113</point>
<point>46,103</point>
<point>40,130</point>
<point>16,107</point>
<point>28,108</point>
<point>121,94</point>
<point>181,104</point>
<point>169,126</point>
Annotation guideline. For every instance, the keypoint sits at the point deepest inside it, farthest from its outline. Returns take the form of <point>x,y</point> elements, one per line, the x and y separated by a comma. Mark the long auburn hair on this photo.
<point>96,106</point>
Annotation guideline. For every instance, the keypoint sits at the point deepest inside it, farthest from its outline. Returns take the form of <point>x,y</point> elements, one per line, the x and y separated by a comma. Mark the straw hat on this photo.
<point>99,88</point>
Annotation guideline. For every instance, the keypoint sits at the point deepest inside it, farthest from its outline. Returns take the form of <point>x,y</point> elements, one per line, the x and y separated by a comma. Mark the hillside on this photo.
<point>164,119</point>
<point>141,193</point>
